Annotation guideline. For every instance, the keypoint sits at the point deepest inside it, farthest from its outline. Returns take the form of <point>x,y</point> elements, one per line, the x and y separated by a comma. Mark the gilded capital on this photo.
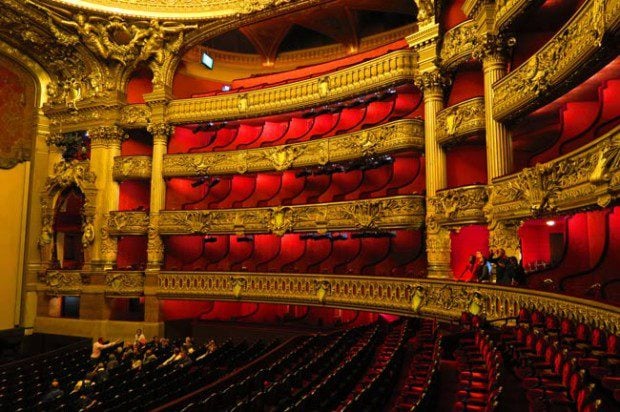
<point>160,131</point>
<point>432,82</point>
<point>106,135</point>
<point>492,49</point>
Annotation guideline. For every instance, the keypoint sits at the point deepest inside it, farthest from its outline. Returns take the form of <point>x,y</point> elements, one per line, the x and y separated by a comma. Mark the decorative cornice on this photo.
<point>459,206</point>
<point>135,116</point>
<point>385,139</point>
<point>421,297</point>
<point>64,282</point>
<point>392,69</point>
<point>127,223</point>
<point>124,284</point>
<point>579,48</point>
<point>458,44</point>
<point>69,173</point>
<point>400,212</point>
<point>460,121</point>
<point>506,11</point>
<point>586,178</point>
<point>87,117</point>
<point>132,168</point>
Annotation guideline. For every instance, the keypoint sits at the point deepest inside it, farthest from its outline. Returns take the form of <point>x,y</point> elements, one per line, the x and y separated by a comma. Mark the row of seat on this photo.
<point>403,174</point>
<point>396,255</point>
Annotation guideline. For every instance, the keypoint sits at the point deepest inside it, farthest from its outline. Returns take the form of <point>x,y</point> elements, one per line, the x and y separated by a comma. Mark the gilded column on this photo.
<point>100,249</point>
<point>437,238</point>
<point>492,51</point>
<point>155,251</point>
<point>431,84</point>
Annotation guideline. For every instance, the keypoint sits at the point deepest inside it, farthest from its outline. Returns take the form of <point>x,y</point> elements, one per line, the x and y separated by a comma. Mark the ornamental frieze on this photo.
<point>423,297</point>
<point>561,63</point>
<point>459,206</point>
<point>391,69</point>
<point>63,282</point>
<point>134,116</point>
<point>385,139</point>
<point>460,121</point>
<point>127,223</point>
<point>124,284</point>
<point>458,44</point>
<point>406,212</point>
<point>132,167</point>
<point>579,180</point>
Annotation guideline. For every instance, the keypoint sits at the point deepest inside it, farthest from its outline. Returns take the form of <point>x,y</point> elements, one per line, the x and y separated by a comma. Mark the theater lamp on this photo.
<point>550,222</point>
<point>206,61</point>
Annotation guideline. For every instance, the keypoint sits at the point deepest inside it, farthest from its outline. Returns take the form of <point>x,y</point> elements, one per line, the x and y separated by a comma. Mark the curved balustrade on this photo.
<point>458,44</point>
<point>585,178</point>
<point>394,68</point>
<point>579,48</point>
<point>375,214</point>
<point>460,121</point>
<point>507,11</point>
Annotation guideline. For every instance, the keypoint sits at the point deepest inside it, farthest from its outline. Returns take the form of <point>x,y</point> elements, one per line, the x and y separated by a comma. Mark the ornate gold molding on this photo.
<point>135,116</point>
<point>124,284</point>
<point>387,138</point>
<point>423,297</point>
<point>392,69</point>
<point>460,121</point>
<point>586,178</point>
<point>575,51</point>
<point>132,167</point>
<point>406,212</point>
<point>87,117</point>
<point>459,206</point>
<point>458,44</point>
<point>174,9</point>
<point>127,223</point>
<point>64,282</point>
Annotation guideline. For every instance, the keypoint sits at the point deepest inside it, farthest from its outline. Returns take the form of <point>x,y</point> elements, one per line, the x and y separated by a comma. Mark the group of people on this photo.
<point>506,269</point>
<point>107,358</point>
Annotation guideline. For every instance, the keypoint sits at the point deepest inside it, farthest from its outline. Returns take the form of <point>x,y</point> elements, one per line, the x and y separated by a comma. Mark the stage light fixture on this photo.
<point>550,222</point>
<point>207,61</point>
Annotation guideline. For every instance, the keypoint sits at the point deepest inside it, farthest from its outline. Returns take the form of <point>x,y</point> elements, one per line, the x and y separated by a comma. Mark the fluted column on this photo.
<point>491,50</point>
<point>437,239</point>
<point>155,250</point>
<point>99,249</point>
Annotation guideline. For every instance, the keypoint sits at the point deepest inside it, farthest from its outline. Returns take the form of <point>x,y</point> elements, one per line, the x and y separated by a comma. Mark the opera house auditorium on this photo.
<point>310,205</point>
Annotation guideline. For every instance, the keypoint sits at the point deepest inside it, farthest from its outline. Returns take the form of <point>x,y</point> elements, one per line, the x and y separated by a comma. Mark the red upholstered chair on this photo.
<point>533,366</point>
<point>567,328</point>
<point>538,319</point>
<point>524,317</point>
<point>548,377</point>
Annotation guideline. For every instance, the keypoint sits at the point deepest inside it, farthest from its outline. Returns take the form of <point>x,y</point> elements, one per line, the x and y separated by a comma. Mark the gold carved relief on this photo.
<point>556,67</point>
<point>458,44</point>
<point>63,282</point>
<point>124,283</point>
<point>459,206</point>
<point>460,121</point>
<point>393,68</point>
<point>132,167</point>
<point>425,297</point>
<point>405,212</point>
<point>389,138</point>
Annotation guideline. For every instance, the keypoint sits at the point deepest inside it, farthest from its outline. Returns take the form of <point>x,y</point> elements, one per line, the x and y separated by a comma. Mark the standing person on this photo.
<point>502,262</point>
<point>139,338</point>
<point>98,346</point>
<point>481,269</point>
<point>518,276</point>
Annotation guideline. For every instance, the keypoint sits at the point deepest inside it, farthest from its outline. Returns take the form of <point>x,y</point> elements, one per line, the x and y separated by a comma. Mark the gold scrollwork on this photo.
<point>461,120</point>
<point>63,282</point>
<point>458,44</point>
<point>459,206</point>
<point>124,283</point>
<point>132,167</point>
<point>127,223</point>
<point>389,138</point>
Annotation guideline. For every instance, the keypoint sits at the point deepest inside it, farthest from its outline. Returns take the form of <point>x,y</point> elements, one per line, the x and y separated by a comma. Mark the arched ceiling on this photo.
<point>173,9</point>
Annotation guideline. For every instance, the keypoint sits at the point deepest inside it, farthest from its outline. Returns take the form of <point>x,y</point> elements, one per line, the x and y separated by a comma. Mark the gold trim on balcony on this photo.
<point>127,223</point>
<point>506,11</point>
<point>586,178</point>
<point>459,206</point>
<point>422,297</point>
<point>458,44</point>
<point>385,139</point>
<point>460,121</point>
<point>400,212</point>
<point>124,284</point>
<point>572,54</point>
<point>132,168</point>
<point>392,69</point>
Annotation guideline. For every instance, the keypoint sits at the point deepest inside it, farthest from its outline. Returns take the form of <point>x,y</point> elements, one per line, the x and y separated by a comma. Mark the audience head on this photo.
<point>55,383</point>
<point>100,340</point>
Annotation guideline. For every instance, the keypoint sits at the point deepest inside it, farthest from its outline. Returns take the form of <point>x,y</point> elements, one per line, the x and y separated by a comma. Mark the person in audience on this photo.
<point>84,402</point>
<point>100,374</point>
<point>112,362</point>
<point>54,393</point>
<point>149,357</point>
<point>139,338</point>
<point>209,348</point>
<point>188,345</point>
<point>85,386</point>
<point>184,360</point>
<point>481,268</point>
<point>517,274</point>
<point>468,272</point>
<point>176,355</point>
<point>501,262</point>
<point>98,346</point>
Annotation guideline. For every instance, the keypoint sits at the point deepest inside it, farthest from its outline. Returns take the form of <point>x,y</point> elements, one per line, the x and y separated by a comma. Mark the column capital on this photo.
<point>492,49</point>
<point>160,131</point>
<point>432,83</point>
<point>106,135</point>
